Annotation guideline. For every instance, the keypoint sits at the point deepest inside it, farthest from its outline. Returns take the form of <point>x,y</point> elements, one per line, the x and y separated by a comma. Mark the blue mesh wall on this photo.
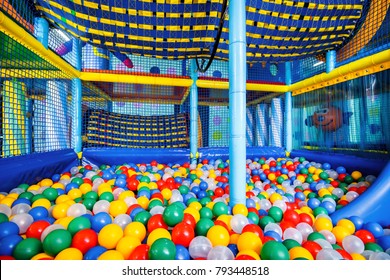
<point>349,118</point>
<point>306,68</point>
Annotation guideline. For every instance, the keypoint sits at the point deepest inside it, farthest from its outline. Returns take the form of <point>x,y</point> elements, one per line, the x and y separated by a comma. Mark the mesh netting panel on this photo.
<point>372,36</point>
<point>306,68</point>
<point>20,10</point>
<point>35,102</point>
<point>351,117</point>
<point>62,44</point>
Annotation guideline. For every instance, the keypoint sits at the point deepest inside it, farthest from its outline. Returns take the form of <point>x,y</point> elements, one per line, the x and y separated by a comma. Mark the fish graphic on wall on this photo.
<point>328,119</point>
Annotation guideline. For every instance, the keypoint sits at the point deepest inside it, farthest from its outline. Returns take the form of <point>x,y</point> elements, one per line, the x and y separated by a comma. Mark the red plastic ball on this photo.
<point>365,235</point>
<point>36,228</point>
<point>141,252</point>
<point>312,247</point>
<point>84,240</point>
<point>254,229</point>
<point>189,219</point>
<point>245,258</point>
<point>305,218</point>
<point>182,234</point>
<point>291,216</point>
<point>218,192</point>
<point>156,221</point>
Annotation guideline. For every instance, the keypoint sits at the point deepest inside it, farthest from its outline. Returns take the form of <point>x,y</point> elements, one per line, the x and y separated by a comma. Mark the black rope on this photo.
<point>215,48</point>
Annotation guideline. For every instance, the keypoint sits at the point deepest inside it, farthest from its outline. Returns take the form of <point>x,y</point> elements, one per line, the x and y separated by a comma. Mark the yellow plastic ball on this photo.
<point>125,194</point>
<point>218,236</point>
<point>44,202</point>
<point>323,223</point>
<point>110,235</point>
<point>226,219</point>
<point>42,256</point>
<point>84,188</point>
<point>65,177</point>
<point>271,176</point>
<point>166,193</point>
<point>210,205</point>
<point>265,166</point>
<point>274,197</point>
<point>46,183</point>
<point>69,254</point>
<point>357,257</point>
<point>33,188</point>
<point>127,244</point>
<point>240,209</point>
<point>143,201</point>
<point>65,221</point>
<point>157,234</point>
<point>234,238</point>
<point>195,205</point>
<point>193,212</point>
<point>152,186</point>
<point>62,198</point>
<point>58,186</point>
<point>60,210</point>
<point>117,207</point>
<point>340,233</point>
<point>306,209</point>
<point>301,178</point>
<point>136,229</point>
<point>250,253</point>
<point>347,224</point>
<point>249,241</point>
<point>104,188</point>
<point>75,193</point>
<point>111,255</point>
<point>356,175</point>
<point>265,194</point>
<point>300,252</point>
<point>311,169</point>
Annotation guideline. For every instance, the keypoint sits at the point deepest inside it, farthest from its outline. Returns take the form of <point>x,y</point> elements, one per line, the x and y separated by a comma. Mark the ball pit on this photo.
<point>180,212</point>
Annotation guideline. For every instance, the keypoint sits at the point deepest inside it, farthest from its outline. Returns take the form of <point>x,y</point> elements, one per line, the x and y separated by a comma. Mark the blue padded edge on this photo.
<point>251,152</point>
<point>30,169</point>
<point>351,163</point>
<point>119,156</point>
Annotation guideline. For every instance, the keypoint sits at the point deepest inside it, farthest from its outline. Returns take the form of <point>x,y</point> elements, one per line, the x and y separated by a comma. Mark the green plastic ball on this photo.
<point>142,217</point>
<point>79,223</point>
<point>203,226</point>
<point>184,190</point>
<point>78,181</point>
<point>275,213</point>
<point>319,210</point>
<point>162,249</point>
<point>50,193</point>
<point>220,208</point>
<point>154,203</point>
<point>315,235</point>
<point>253,217</point>
<point>373,247</point>
<point>27,248</point>
<point>206,212</point>
<point>265,221</point>
<point>27,195</point>
<point>291,243</point>
<point>3,218</point>
<point>273,250</point>
<point>173,215</point>
<point>56,241</point>
<point>89,203</point>
<point>92,195</point>
<point>107,196</point>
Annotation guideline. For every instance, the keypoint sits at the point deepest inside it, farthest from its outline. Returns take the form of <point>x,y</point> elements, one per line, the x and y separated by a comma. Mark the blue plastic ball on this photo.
<point>39,213</point>
<point>313,202</point>
<point>182,253</point>
<point>300,195</point>
<point>341,170</point>
<point>384,242</point>
<point>357,221</point>
<point>326,166</point>
<point>274,235</point>
<point>329,206</point>
<point>8,243</point>
<point>94,253</point>
<point>100,220</point>
<point>375,228</point>
<point>21,200</point>
<point>71,186</point>
<point>233,248</point>
<point>203,186</point>
<point>8,228</point>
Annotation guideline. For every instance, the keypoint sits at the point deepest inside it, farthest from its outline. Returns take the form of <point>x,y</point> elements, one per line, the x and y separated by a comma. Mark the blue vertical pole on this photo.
<point>193,113</point>
<point>237,101</point>
<point>77,99</point>
<point>41,31</point>
<point>109,106</point>
<point>330,61</point>
<point>29,133</point>
<point>288,109</point>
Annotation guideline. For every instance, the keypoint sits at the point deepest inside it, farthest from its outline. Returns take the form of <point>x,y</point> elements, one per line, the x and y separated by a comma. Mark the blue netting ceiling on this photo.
<point>277,30</point>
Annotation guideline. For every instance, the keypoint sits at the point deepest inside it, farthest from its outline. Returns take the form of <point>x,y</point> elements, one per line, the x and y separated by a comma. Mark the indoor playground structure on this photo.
<point>195,129</point>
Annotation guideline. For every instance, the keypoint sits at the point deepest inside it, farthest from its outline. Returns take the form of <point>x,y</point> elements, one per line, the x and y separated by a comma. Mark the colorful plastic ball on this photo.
<point>111,255</point>
<point>94,253</point>
<point>100,220</point>
<point>173,215</point>
<point>110,235</point>
<point>357,221</point>
<point>371,246</point>
<point>8,228</point>
<point>238,222</point>
<point>275,213</point>
<point>247,255</point>
<point>206,212</point>
<point>38,213</point>
<point>294,234</point>
<point>182,253</point>
<point>136,229</point>
<point>290,243</point>
<point>141,252</point>
<point>8,244</point>
<point>375,228</point>
<point>273,250</point>
<point>353,244</point>
<point>127,244</point>
<point>329,254</point>
<point>182,234</point>
<point>347,224</point>
<point>300,253</point>
<point>122,220</point>
<point>218,236</point>
<point>249,241</point>
<point>76,210</point>
<point>220,253</point>
<point>162,249</point>
<point>77,224</point>
<point>203,226</point>
<point>84,240</point>
<point>49,229</point>
<point>340,233</point>
<point>384,242</point>
<point>23,221</point>
<point>69,254</point>
<point>312,247</point>
<point>200,247</point>
<point>323,223</point>
<point>117,207</point>
<point>157,234</point>
<point>264,221</point>
<point>27,248</point>
<point>56,241</point>
<point>156,221</point>
<point>36,228</point>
